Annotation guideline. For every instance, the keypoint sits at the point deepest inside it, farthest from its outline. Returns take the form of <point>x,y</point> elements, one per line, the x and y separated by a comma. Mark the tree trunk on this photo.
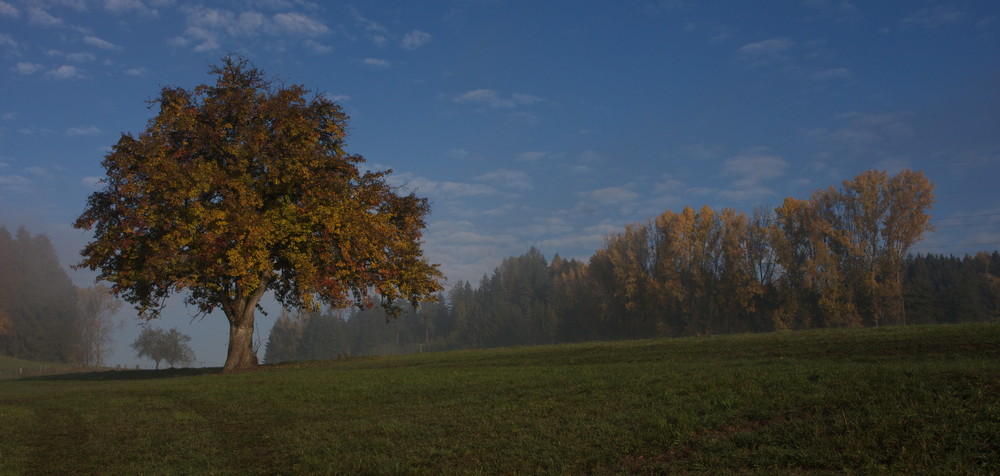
<point>241,355</point>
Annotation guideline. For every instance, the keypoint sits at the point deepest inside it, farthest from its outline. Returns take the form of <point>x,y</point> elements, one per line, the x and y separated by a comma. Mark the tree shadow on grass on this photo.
<point>116,375</point>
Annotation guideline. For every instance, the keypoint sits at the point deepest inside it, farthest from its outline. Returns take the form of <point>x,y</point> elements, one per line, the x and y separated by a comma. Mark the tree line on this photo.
<point>43,316</point>
<point>840,258</point>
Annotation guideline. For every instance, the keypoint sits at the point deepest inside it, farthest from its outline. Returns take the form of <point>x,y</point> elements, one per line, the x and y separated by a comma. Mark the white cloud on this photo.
<point>207,28</point>
<point>83,131</point>
<point>766,47</point>
<point>26,68</point>
<point>415,39</point>
<point>40,172</point>
<point>91,182</point>
<point>123,6</point>
<point>440,189</point>
<point>508,178</point>
<point>936,16</point>
<point>764,52</point>
<point>78,57</point>
<point>751,170</point>
<point>297,23</point>
<point>748,173</point>
<point>39,16</point>
<point>669,184</point>
<point>860,132</point>
<point>369,24</point>
<point>495,99</point>
<point>376,63</point>
<point>534,156</point>
<point>64,72</point>
<point>612,195</point>
<point>337,98</point>
<point>9,10</point>
<point>99,43</point>
<point>7,42</point>
<point>318,47</point>
<point>138,71</point>
<point>14,182</point>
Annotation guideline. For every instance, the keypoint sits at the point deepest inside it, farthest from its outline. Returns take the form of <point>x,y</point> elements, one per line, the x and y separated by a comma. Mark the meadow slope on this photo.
<point>922,399</point>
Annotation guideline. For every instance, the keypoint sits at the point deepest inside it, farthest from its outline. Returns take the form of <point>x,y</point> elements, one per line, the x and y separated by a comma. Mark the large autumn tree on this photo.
<point>242,187</point>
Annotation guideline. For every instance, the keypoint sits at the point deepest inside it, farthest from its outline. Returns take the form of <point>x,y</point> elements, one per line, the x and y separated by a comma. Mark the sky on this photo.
<point>529,123</point>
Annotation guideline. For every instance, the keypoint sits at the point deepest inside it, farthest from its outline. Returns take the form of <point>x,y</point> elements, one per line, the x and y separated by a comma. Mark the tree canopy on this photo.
<point>160,345</point>
<point>242,187</point>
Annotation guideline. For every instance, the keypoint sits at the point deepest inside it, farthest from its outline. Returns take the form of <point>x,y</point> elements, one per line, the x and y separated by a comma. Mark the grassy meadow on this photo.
<point>12,368</point>
<point>905,400</point>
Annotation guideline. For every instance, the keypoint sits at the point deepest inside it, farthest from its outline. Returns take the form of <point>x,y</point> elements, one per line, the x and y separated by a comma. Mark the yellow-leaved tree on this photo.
<point>241,187</point>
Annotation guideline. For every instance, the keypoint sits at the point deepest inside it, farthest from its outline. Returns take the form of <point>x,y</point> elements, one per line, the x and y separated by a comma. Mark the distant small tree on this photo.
<point>170,346</point>
<point>96,308</point>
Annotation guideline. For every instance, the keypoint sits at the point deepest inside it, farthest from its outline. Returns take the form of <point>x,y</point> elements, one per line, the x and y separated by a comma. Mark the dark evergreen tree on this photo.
<point>39,300</point>
<point>284,340</point>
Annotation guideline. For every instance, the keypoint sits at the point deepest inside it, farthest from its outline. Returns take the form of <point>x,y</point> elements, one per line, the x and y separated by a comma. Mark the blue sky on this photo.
<point>531,123</point>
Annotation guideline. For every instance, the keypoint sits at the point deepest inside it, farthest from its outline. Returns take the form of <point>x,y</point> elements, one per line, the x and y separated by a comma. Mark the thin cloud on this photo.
<point>858,133</point>
<point>440,189</point>
<point>9,10</point>
<point>297,23</point>
<point>766,47</point>
<point>508,178</point>
<point>612,195</point>
<point>26,68</point>
<point>7,42</point>
<point>751,170</point>
<point>39,16</point>
<point>83,131</point>
<point>64,72</point>
<point>415,39</point>
<point>124,6</point>
<point>368,24</point>
<point>318,47</point>
<point>14,182</point>
<point>99,43</point>
<point>936,16</point>
<point>534,156</point>
<point>495,99</point>
<point>337,98</point>
<point>376,63</point>
<point>208,28</point>
<point>765,52</point>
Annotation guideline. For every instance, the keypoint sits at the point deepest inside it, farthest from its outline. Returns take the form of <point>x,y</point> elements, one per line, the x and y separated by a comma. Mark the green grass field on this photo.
<point>894,400</point>
<point>12,368</point>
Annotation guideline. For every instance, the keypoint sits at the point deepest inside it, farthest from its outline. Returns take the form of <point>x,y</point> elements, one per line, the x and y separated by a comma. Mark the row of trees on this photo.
<point>43,316</point>
<point>937,289</point>
<point>840,258</point>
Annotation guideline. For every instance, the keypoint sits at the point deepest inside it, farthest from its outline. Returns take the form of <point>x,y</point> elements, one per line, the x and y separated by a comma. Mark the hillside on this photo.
<point>899,400</point>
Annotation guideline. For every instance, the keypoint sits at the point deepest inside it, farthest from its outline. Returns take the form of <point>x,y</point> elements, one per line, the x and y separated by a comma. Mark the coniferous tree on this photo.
<point>284,340</point>
<point>37,299</point>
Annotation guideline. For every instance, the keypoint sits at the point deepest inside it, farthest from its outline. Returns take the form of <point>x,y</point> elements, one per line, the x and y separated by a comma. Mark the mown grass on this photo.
<point>914,400</point>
